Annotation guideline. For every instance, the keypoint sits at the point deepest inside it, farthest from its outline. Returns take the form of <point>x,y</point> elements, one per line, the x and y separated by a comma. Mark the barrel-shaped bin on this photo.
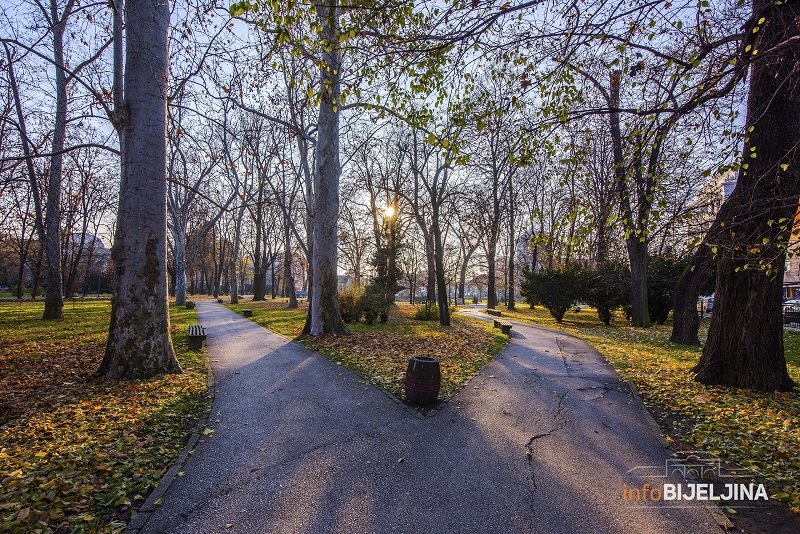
<point>423,379</point>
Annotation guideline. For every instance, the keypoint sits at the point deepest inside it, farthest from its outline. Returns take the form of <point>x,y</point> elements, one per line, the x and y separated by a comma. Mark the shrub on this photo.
<point>427,313</point>
<point>349,305</point>
<point>607,288</point>
<point>556,289</point>
<point>374,303</point>
<point>663,273</point>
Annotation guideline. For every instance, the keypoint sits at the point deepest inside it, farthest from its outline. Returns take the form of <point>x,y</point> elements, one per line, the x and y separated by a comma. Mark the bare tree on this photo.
<point>139,344</point>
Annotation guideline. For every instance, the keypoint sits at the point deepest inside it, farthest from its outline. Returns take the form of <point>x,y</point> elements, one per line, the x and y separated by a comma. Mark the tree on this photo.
<point>753,228</point>
<point>190,165</point>
<point>139,345</point>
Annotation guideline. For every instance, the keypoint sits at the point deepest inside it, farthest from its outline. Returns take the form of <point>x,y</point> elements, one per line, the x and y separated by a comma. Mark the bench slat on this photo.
<point>196,330</point>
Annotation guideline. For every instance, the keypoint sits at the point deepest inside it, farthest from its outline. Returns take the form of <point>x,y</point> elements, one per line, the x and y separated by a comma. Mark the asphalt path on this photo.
<point>545,439</point>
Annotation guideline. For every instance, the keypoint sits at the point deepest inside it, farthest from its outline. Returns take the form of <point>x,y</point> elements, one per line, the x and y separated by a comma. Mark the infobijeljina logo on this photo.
<point>699,476</point>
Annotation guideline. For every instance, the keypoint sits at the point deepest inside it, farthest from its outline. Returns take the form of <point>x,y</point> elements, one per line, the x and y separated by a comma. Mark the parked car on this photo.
<point>791,312</point>
<point>299,293</point>
<point>705,305</point>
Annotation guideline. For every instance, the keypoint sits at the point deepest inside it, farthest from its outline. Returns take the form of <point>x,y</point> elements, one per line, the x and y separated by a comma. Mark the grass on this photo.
<point>757,431</point>
<point>79,453</point>
<point>380,352</point>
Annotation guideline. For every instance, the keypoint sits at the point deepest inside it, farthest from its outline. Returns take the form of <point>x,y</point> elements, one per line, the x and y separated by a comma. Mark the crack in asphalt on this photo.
<point>561,346</point>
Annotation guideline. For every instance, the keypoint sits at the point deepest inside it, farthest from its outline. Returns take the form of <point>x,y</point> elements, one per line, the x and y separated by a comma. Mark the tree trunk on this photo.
<point>685,322</point>
<point>259,277</point>
<point>462,279</point>
<point>179,237</point>
<point>462,275</point>
<point>491,297</point>
<point>430,253</point>
<point>745,339</point>
<point>637,241</point>
<point>512,249</point>
<point>324,309</point>
<point>287,266</point>
<point>441,282</point>
<point>234,273</point>
<point>54,299</point>
<point>638,257</point>
<point>512,286</point>
<point>139,345</point>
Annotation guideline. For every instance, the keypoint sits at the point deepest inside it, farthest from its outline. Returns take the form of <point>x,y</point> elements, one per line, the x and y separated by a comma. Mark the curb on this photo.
<point>154,499</point>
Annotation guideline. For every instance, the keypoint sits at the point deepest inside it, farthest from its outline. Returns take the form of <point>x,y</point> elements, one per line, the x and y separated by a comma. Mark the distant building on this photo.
<point>709,200</point>
<point>791,271</point>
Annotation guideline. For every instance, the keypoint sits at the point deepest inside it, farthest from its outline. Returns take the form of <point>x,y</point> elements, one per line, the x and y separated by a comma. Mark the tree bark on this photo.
<point>324,309</point>
<point>139,345</point>
<point>685,322</point>
<point>745,339</point>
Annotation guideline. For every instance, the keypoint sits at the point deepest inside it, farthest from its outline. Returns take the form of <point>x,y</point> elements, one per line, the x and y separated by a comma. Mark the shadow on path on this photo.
<point>542,440</point>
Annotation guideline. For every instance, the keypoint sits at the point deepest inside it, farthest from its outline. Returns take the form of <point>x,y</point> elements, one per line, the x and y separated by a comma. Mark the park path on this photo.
<point>542,440</point>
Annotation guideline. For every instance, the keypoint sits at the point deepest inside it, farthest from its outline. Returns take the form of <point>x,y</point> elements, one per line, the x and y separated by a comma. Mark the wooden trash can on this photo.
<point>423,380</point>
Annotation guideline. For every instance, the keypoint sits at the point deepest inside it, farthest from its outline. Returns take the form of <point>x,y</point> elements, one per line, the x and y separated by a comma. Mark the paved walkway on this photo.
<point>541,441</point>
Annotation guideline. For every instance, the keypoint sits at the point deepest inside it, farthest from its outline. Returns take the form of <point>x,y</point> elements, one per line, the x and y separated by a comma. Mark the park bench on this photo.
<point>504,326</point>
<point>247,312</point>
<point>197,334</point>
<point>496,313</point>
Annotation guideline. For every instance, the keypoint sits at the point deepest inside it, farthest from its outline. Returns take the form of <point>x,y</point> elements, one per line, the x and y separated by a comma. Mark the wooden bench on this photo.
<point>504,326</point>
<point>197,334</point>
<point>496,313</point>
<point>247,312</point>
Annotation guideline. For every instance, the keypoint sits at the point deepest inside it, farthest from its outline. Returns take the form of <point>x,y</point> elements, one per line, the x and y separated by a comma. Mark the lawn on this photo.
<point>380,352</point>
<point>757,431</point>
<point>79,453</point>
